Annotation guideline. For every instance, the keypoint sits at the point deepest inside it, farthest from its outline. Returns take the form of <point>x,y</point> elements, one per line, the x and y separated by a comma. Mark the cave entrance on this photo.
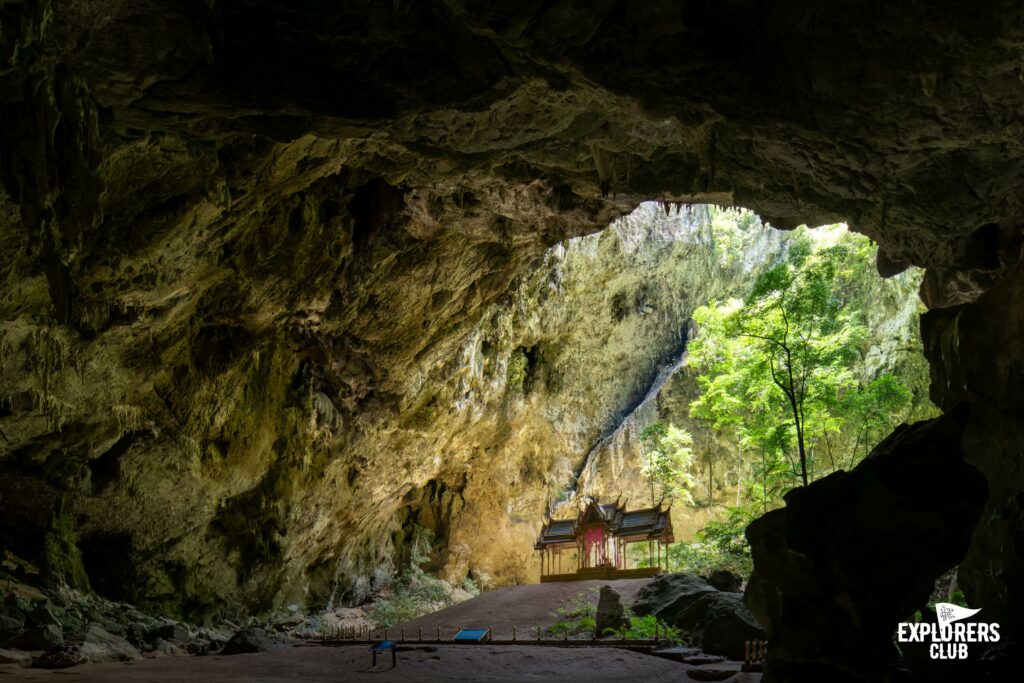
<point>735,362</point>
<point>765,382</point>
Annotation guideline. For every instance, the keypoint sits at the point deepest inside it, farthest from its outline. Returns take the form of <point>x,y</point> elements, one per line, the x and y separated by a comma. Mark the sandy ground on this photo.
<point>352,663</point>
<point>525,606</point>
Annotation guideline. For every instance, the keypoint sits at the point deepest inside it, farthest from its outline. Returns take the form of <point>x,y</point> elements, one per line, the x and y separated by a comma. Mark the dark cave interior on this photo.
<point>216,213</point>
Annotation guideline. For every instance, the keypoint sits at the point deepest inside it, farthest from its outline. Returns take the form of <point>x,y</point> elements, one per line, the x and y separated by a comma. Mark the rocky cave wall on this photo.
<point>230,228</point>
<point>491,425</point>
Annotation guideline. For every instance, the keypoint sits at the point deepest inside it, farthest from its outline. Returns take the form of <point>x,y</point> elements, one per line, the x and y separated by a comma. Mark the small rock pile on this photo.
<point>60,628</point>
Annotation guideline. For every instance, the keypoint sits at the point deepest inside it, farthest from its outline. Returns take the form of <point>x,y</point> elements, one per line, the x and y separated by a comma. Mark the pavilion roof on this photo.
<point>649,523</point>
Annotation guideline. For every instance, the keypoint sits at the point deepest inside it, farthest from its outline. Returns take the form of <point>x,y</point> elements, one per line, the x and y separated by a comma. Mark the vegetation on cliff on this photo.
<point>797,380</point>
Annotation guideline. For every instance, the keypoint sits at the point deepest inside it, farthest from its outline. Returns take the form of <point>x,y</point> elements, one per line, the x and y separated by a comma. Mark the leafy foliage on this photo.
<point>413,592</point>
<point>666,454</point>
<point>781,373</point>
<point>801,378</point>
<point>645,628</point>
<point>720,545</point>
<point>579,619</point>
<point>575,619</point>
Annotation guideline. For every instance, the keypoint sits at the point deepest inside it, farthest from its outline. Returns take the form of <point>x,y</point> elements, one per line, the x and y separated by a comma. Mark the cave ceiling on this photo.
<point>211,210</point>
<point>902,119</point>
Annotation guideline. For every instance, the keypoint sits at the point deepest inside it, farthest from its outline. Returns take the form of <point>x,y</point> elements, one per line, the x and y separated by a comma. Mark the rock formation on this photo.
<point>833,575</point>
<point>241,239</point>
<point>716,621</point>
<point>610,612</point>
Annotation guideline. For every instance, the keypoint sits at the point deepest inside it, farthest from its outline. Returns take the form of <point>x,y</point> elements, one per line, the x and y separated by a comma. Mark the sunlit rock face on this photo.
<point>241,240</point>
<point>267,456</point>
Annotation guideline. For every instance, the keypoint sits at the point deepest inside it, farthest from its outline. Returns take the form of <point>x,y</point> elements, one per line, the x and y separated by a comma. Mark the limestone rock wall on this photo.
<point>200,445</point>
<point>239,236</point>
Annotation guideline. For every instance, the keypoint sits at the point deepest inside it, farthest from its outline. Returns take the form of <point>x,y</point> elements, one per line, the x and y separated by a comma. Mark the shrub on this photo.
<point>579,619</point>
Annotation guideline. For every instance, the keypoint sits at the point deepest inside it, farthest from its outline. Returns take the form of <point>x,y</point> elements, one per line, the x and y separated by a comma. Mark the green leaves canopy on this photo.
<point>777,371</point>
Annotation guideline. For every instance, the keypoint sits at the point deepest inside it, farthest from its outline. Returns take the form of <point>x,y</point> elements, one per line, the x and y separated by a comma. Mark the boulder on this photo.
<point>18,657</point>
<point>37,638</point>
<point>73,621</point>
<point>60,598</point>
<point>855,553</point>
<point>718,622</point>
<point>166,647</point>
<point>114,626</point>
<point>667,594</point>
<point>12,610</point>
<point>174,631</point>
<point>137,634</point>
<point>10,627</point>
<point>99,645</point>
<point>286,622</point>
<point>45,613</point>
<point>18,602</point>
<point>214,634</point>
<point>12,620</point>
<point>249,639</point>
<point>610,613</point>
<point>725,580</point>
<point>60,658</point>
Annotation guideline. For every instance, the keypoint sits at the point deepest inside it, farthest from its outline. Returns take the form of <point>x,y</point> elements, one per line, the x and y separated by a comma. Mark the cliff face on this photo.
<point>229,413</point>
<point>241,240</point>
<point>234,468</point>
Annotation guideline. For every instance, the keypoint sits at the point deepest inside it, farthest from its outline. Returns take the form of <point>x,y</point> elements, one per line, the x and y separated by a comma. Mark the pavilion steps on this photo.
<point>603,574</point>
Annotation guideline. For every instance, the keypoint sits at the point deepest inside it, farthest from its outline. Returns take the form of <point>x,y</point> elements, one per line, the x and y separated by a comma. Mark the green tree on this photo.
<point>777,371</point>
<point>666,451</point>
<point>805,336</point>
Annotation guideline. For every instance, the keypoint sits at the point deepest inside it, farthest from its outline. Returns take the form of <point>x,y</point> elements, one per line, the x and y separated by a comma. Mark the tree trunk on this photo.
<point>711,483</point>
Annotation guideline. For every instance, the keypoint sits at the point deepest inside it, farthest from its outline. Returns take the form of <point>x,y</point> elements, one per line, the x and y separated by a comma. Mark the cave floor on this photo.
<point>352,663</point>
<point>524,607</point>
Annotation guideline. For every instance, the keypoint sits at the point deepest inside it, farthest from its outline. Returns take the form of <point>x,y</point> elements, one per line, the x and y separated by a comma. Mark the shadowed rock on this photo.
<point>610,612</point>
<point>717,622</point>
<point>37,638</point>
<point>18,657</point>
<point>725,580</point>
<point>250,639</point>
<point>99,645</point>
<point>856,552</point>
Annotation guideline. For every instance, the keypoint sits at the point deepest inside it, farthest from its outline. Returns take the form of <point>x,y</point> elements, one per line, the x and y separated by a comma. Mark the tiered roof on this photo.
<point>654,523</point>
